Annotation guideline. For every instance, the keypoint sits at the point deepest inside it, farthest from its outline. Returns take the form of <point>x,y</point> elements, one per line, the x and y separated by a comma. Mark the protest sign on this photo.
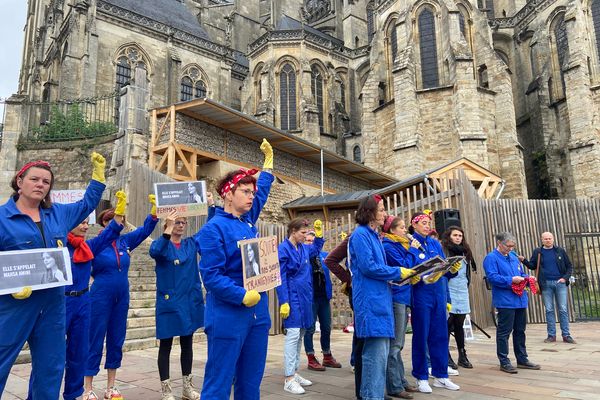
<point>38,268</point>
<point>260,262</point>
<point>187,198</point>
<point>70,196</point>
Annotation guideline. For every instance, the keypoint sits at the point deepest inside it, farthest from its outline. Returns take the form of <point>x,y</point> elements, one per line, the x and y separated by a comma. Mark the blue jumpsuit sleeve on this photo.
<point>211,213</point>
<point>133,239</point>
<point>161,249</point>
<point>263,187</point>
<point>76,212</point>
<point>492,271</point>
<point>105,238</point>
<point>283,289</point>
<point>395,257</point>
<point>212,266</point>
<point>314,250</point>
<point>365,261</point>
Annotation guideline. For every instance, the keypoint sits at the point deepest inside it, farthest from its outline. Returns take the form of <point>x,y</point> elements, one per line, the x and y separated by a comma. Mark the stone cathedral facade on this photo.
<point>399,85</point>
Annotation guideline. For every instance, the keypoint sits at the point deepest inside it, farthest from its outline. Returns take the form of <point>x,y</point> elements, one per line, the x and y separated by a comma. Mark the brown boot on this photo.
<point>329,361</point>
<point>314,364</point>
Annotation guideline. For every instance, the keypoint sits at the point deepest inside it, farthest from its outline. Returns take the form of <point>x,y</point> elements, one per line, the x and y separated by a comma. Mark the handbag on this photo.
<point>537,273</point>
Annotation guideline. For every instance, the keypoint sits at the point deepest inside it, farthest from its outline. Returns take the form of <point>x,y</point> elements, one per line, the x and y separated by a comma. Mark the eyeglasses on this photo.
<point>248,192</point>
<point>180,222</point>
<point>508,246</point>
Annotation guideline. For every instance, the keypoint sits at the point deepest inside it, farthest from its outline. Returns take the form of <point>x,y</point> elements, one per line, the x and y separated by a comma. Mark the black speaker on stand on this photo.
<point>446,218</point>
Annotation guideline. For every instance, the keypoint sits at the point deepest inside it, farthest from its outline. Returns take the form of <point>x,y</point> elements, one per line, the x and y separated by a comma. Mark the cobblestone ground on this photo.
<point>568,371</point>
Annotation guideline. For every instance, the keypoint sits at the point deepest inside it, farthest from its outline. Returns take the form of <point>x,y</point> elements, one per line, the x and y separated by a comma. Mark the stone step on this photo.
<point>142,303</point>
<point>142,287</point>
<point>140,333</point>
<point>141,312</point>
<point>141,272</point>
<point>139,344</point>
<point>138,280</point>
<point>142,294</point>
<point>141,322</point>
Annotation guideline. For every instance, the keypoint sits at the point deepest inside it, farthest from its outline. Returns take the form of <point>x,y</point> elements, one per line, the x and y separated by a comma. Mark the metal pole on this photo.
<point>322,176</point>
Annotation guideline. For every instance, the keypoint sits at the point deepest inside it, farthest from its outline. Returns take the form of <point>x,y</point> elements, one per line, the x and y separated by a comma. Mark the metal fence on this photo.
<point>584,251</point>
<point>76,119</point>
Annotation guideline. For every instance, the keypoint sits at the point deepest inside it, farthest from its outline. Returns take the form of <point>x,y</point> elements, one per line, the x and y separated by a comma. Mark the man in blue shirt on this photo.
<point>554,271</point>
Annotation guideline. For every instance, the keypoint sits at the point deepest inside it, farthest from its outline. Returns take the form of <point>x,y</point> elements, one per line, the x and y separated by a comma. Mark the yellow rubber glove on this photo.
<point>448,307</point>
<point>267,150</point>
<point>121,203</point>
<point>318,225</point>
<point>406,272</point>
<point>343,235</point>
<point>415,279</point>
<point>23,294</point>
<point>152,200</point>
<point>98,167</point>
<point>433,278</point>
<point>284,310</point>
<point>251,298</point>
<point>455,267</point>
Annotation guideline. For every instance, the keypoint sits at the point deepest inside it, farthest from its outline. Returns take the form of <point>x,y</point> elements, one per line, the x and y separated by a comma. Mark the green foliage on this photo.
<point>71,125</point>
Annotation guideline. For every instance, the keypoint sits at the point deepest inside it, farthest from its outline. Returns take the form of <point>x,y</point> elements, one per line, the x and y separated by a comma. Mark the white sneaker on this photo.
<point>301,380</point>
<point>452,371</point>
<point>429,371</point>
<point>445,383</point>
<point>423,386</point>
<point>293,387</point>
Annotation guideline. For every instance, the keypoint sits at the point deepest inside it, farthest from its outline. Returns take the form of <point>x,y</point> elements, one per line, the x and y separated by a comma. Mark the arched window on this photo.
<point>287,97</point>
<point>131,64</point>
<point>596,22</point>
<point>316,86</point>
<point>356,156</point>
<point>370,20</point>
<point>428,49</point>
<point>560,56</point>
<point>341,84</point>
<point>482,76</point>
<point>464,22</point>
<point>123,77</point>
<point>391,37</point>
<point>193,83</point>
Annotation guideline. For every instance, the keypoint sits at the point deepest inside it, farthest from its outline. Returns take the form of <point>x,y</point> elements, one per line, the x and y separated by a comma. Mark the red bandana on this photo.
<point>420,217</point>
<point>377,198</point>
<point>238,177</point>
<point>38,163</point>
<point>518,288</point>
<point>82,252</point>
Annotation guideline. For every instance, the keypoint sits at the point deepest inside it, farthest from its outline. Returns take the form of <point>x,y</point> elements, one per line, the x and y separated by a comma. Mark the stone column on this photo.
<point>14,124</point>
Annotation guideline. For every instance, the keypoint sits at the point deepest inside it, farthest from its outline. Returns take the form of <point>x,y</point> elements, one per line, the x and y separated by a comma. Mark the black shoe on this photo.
<point>451,362</point>
<point>528,365</point>
<point>463,361</point>
<point>508,368</point>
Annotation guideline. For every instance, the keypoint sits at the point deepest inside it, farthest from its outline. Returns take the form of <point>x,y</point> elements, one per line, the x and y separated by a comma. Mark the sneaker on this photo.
<point>423,386</point>
<point>293,387</point>
<point>113,393</point>
<point>90,396</point>
<point>301,380</point>
<point>550,339</point>
<point>569,339</point>
<point>445,383</point>
<point>452,371</point>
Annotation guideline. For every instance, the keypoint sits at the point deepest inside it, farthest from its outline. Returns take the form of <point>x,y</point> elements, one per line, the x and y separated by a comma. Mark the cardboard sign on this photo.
<point>38,268</point>
<point>71,196</point>
<point>260,262</point>
<point>187,198</point>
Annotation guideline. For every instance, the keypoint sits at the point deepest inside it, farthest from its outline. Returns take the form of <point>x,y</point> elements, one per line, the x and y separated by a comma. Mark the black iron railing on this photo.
<point>584,251</point>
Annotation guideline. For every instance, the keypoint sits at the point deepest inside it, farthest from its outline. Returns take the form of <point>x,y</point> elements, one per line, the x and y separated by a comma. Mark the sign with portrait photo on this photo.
<point>187,198</point>
<point>260,262</point>
<point>38,268</point>
<point>71,196</point>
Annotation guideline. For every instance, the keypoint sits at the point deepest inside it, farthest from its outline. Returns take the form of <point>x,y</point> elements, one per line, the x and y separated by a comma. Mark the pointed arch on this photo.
<point>317,87</point>
<point>426,32</point>
<point>194,83</point>
<point>287,72</point>
<point>391,50</point>
<point>559,48</point>
<point>128,58</point>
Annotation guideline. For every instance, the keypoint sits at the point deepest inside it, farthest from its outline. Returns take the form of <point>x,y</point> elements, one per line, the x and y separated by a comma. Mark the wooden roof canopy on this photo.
<point>167,156</point>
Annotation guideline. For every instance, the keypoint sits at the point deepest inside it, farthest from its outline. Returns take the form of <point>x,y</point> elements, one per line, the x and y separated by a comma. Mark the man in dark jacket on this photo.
<point>554,270</point>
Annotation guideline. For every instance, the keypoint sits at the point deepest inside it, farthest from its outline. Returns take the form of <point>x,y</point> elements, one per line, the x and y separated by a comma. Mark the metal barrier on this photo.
<point>584,251</point>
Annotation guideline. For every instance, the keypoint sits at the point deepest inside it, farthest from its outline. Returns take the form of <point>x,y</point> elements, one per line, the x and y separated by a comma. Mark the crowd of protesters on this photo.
<point>67,327</point>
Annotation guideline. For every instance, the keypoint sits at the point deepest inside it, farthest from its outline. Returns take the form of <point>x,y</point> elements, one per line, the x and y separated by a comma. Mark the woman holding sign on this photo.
<point>296,296</point>
<point>29,220</point>
<point>237,320</point>
<point>179,302</point>
<point>110,298</point>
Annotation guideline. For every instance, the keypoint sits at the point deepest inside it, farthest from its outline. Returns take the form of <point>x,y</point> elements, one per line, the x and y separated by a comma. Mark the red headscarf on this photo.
<point>38,163</point>
<point>82,252</point>
<point>236,178</point>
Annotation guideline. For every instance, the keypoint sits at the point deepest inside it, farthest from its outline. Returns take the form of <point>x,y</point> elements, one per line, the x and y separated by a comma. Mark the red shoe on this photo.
<point>329,361</point>
<point>314,364</point>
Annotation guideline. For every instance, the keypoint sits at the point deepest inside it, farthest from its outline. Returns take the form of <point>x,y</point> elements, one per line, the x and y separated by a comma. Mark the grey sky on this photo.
<point>12,22</point>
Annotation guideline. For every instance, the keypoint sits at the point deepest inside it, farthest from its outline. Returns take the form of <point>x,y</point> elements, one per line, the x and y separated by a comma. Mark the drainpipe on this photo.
<point>322,176</point>
<point>502,186</point>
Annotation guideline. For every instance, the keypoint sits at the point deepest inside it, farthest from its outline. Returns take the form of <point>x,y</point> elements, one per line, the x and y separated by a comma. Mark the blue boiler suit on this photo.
<point>237,335</point>
<point>428,316</point>
<point>296,281</point>
<point>39,319</point>
<point>179,302</point>
<point>110,298</point>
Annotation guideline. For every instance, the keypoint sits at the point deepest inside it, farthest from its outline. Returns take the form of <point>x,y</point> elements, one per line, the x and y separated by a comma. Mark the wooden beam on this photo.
<point>326,213</point>
<point>172,126</point>
<point>152,138</point>
<point>483,187</point>
<point>183,158</point>
<point>491,190</point>
<point>162,162</point>
<point>171,167</point>
<point>338,163</point>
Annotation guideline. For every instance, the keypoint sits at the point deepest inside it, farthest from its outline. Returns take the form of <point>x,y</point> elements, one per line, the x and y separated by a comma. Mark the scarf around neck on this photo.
<point>398,239</point>
<point>82,252</point>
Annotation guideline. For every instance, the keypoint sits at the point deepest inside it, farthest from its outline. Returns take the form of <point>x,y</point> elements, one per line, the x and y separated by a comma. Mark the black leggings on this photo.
<point>164,353</point>
<point>455,324</point>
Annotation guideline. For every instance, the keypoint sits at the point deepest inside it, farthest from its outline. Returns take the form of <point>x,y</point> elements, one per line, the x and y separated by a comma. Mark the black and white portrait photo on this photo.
<point>251,259</point>
<point>195,192</point>
<point>178,193</point>
<point>54,268</point>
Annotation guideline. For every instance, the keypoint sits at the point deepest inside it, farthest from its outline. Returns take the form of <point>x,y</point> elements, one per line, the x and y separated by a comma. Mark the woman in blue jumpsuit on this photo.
<point>110,302</point>
<point>236,321</point>
<point>428,316</point>
<point>179,302</point>
<point>29,220</point>
<point>296,296</point>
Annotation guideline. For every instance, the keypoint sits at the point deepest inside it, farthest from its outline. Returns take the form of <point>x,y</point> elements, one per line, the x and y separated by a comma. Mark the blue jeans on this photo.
<point>395,380</point>
<point>322,310</point>
<point>553,290</point>
<point>374,363</point>
<point>291,350</point>
<point>511,320</point>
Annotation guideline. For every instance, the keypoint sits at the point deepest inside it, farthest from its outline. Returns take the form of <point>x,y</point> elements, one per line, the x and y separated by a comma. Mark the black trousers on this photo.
<point>511,320</point>
<point>164,353</point>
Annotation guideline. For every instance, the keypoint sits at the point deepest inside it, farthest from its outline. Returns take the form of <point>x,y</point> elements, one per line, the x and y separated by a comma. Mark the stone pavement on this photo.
<point>568,371</point>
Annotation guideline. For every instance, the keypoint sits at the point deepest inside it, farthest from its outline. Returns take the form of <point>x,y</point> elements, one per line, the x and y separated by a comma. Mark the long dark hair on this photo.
<point>452,249</point>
